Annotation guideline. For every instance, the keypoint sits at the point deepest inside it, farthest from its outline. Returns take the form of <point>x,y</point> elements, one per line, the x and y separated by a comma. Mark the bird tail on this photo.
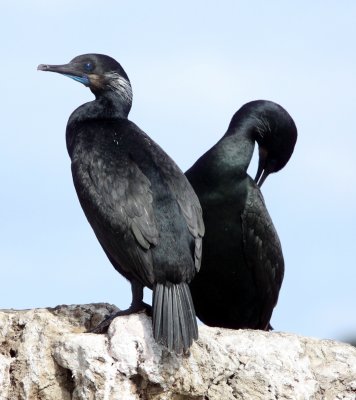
<point>174,320</point>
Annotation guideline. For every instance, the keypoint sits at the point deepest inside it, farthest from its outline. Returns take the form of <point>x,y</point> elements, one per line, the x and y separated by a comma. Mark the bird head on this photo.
<point>99,72</point>
<point>276,135</point>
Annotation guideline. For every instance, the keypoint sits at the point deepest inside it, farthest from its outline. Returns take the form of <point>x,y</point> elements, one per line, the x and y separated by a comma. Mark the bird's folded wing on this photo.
<point>122,200</point>
<point>189,204</point>
<point>262,248</point>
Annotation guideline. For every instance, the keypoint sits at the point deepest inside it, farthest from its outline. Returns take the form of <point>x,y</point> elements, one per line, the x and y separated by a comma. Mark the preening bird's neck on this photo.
<point>225,163</point>
<point>235,149</point>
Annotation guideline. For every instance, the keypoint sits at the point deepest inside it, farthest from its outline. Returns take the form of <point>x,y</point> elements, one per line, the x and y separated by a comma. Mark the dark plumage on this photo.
<point>141,207</point>
<point>242,265</point>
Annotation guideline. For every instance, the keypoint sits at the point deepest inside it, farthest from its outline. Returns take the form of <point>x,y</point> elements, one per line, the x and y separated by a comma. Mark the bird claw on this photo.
<point>134,309</point>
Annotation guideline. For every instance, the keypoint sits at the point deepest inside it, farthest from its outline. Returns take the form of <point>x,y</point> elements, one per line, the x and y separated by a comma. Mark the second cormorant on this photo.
<point>242,264</point>
<point>140,205</point>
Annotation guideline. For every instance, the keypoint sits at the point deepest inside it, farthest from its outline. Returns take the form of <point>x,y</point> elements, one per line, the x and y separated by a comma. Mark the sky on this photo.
<point>191,65</point>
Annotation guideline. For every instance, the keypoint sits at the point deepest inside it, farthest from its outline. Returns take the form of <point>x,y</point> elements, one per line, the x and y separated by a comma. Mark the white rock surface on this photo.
<point>45,354</point>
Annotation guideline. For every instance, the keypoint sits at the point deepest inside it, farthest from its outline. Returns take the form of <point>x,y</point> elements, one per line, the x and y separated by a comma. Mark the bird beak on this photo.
<point>259,180</point>
<point>262,172</point>
<point>70,70</point>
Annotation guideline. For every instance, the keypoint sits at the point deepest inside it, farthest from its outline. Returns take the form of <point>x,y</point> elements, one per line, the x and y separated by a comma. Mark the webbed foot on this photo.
<point>133,309</point>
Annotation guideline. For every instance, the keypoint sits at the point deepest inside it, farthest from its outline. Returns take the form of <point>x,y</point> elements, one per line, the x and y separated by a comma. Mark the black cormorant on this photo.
<point>140,205</point>
<point>242,264</point>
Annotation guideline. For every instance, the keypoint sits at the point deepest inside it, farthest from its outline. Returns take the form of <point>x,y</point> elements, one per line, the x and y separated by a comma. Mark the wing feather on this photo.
<point>187,200</point>
<point>118,198</point>
<point>262,248</point>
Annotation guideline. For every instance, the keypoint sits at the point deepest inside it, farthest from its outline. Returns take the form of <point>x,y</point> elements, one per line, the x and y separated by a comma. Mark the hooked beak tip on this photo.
<point>260,178</point>
<point>42,67</point>
<point>262,173</point>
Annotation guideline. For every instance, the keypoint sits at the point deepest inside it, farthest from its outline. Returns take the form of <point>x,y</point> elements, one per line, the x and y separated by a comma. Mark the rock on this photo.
<point>46,354</point>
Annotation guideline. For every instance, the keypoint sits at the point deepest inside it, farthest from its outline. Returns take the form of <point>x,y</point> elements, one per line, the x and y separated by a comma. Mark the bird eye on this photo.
<point>88,67</point>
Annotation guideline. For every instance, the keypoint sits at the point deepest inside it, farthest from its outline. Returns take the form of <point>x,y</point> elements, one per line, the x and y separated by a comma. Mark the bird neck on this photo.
<point>111,104</point>
<point>107,105</point>
<point>235,149</point>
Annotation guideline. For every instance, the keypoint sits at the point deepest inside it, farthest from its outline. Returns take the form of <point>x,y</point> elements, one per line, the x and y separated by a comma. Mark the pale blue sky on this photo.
<point>191,65</point>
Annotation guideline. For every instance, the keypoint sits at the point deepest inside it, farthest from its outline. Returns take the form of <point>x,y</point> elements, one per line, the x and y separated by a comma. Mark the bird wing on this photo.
<point>121,197</point>
<point>189,204</point>
<point>262,249</point>
<point>192,212</point>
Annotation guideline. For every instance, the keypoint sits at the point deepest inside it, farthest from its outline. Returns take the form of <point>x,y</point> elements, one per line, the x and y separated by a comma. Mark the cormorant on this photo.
<point>140,205</point>
<point>242,263</point>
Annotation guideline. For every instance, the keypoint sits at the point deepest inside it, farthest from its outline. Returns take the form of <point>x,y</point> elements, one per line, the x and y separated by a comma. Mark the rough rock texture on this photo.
<point>45,354</point>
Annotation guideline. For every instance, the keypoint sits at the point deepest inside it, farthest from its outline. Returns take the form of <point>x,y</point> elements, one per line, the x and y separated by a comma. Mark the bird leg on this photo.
<point>137,306</point>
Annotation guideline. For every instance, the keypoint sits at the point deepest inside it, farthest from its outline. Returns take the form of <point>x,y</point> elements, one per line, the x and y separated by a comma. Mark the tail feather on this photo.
<point>157,310</point>
<point>174,320</point>
<point>183,319</point>
<point>193,327</point>
<point>169,328</point>
<point>177,344</point>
